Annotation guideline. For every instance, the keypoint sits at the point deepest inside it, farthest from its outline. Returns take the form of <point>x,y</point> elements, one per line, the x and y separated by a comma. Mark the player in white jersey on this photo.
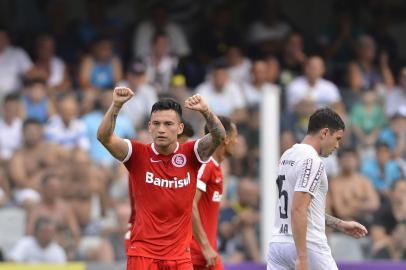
<point>299,240</point>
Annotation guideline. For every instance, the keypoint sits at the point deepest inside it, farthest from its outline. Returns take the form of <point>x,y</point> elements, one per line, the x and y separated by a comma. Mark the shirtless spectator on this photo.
<point>11,127</point>
<point>30,163</point>
<point>66,129</point>
<point>52,206</point>
<point>4,188</point>
<point>352,194</point>
<point>87,194</point>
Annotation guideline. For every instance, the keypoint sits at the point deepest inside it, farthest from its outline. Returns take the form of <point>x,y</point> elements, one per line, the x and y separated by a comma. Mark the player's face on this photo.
<point>165,126</point>
<point>231,140</point>
<point>330,141</point>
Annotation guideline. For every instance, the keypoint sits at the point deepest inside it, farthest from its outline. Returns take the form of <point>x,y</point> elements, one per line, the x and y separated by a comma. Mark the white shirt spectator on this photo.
<point>160,74</point>
<point>10,137</point>
<point>395,100</point>
<point>138,108</point>
<point>323,93</point>
<point>145,32</point>
<point>57,71</point>
<point>242,72</point>
<point>27,250</point>
<point>225,102</point>
<point>68,136</point>
<point>254,95</point>
<point>14,63</point>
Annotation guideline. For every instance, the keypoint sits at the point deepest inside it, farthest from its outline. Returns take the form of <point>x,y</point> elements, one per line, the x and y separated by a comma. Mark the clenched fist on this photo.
<point>121,95</point>
<point>196,103</point>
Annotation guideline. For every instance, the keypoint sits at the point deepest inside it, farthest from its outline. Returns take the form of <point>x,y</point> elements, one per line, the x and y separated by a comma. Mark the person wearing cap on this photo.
<point>138,107</point>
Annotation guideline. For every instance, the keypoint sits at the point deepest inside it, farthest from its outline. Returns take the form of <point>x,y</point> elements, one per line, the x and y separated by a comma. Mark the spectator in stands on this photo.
<point>65,128</point>
<point>294,124</point>
<point>100,70</point>
<point>138,108</point>
<point>159,22</point>
<point>53,207</point>
<point>367,119</point>
<point>382,171</point>
<point>31,162</point>
<point>86,191</point>
<point>396,98</point>
<point>353,195</point>
<point>11,126</point>
<point>242,217</point>
<point>92,120</point>
<point>14,64</point>
<point>394,135</point>
<point>117,238</point>
<point>37,104</point>
<point>372,74</point>
<point>160,64</point>
<point>254,88</point>
<point>48,66</point>
<point>391,214</point>
<point>338,41</point>
<point>269,33</point>
<point>354,86</point>
<point>239,67</point>
<point>273,69</point>
<point>39,248</point>
<point>312,85</point>
<point>293,59</point>
<point>223,95</point>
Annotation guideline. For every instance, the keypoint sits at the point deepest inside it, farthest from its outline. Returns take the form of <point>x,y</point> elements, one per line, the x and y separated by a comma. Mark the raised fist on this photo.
<point>196,103</point>
<point>121,95</point>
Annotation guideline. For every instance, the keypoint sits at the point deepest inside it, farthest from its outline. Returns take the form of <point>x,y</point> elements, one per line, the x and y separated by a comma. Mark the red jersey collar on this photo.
<point>214,161</point>
<point>157,153</point>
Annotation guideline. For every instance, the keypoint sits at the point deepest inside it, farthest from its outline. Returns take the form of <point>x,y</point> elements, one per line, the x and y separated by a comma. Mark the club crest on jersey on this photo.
<point>179,160</point>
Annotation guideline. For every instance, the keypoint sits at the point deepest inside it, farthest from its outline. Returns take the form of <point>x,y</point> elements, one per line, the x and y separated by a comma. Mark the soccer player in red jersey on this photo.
<point>162,180</point>
<point>206,203</point>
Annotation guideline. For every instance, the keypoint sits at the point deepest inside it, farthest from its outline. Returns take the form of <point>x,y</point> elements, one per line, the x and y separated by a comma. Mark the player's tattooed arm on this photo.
<point>333,222</point>
<point>208,144</point>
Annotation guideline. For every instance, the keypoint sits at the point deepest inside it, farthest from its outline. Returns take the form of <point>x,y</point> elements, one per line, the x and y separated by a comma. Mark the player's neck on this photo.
<point>312,141</point>
<point>218,157</point>
<point>166,150</point>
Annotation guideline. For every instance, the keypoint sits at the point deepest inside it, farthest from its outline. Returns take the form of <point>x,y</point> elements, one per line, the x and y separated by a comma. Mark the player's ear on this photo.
<point>226,140</point>
<point>180,128</point>
<point>323,132</point>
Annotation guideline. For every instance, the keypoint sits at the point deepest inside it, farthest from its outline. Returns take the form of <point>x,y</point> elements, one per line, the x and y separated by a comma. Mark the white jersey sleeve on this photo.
<point>310,171</point>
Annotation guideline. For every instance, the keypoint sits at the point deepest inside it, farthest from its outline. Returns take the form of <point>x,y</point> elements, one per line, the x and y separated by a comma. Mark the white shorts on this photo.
<point>282,256</point>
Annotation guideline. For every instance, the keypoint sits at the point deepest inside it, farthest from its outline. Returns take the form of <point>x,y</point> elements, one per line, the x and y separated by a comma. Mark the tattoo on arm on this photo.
<point>333,222</point>
<point>108,123</point>
<point>209,143</point>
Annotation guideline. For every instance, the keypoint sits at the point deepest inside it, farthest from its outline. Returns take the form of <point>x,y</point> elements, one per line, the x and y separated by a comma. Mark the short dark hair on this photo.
<point>167,104</point>
<point>325,118</point>
<point>31,121</point>
<point>225,121</point>
<point>381,144</point>
<point>11,97</point>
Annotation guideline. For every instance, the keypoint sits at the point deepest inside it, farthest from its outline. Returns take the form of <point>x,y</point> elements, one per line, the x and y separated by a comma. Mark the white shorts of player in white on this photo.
<point>282,256</point>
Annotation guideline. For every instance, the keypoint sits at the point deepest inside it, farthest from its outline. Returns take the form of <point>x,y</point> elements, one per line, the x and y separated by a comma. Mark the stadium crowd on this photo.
<point>57,73</point>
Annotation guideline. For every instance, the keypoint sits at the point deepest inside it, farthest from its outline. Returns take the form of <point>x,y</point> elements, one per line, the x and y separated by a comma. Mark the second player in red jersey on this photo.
<point>206,203</point>
<point>162,180</point>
